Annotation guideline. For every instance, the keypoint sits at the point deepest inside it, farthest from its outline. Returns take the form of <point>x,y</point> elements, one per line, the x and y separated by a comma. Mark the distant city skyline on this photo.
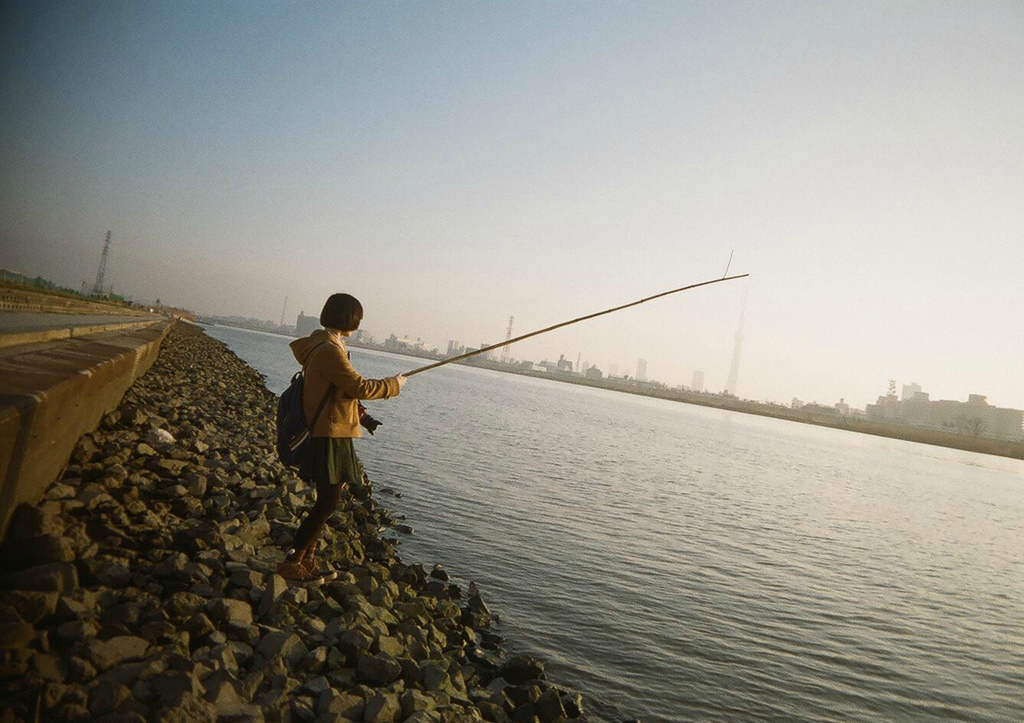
<point>305,324</point>
<point>453,164</point>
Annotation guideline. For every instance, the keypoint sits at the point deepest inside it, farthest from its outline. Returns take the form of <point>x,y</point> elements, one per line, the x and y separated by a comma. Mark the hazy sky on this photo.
<point>452,164</point>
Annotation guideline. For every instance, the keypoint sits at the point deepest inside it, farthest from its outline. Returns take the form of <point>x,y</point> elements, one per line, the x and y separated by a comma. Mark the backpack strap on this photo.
<point>323,403</point>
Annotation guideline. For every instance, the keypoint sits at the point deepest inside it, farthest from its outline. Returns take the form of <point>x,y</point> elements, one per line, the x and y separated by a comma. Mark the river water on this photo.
<point>678,563</point>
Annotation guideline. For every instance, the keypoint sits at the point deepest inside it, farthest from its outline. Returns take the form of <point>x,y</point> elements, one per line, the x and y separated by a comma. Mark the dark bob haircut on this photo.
<point>342,312</point>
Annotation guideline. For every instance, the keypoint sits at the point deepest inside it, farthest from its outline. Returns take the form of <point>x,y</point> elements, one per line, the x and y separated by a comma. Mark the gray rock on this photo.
<point>52,548</point>
<point>247,579</point>
<point>60,491</point>
<point>521,668</point>
<point>222,690</point>
<point>183,605</point>
<point>31,605</point>
<point>275,589</point>
<point>344,705</point>
<point>47,667</point>
<point>522,695</point>
<point>16,634</point>
<point>157,437</point>
<point>315,659</point>
<point>353,642</point>
<point>316,686</point>
<point>297,596</point>
<point>197,486</point>
<point>157,630</point>
<point>191,709</point>
<point>434,676</point>
<point>549,707</point>
<point>199,626</point>
<point>173,687</point>
<point>234,613</point>
<point>572,702</point>
<point>382,708</point>
<point>284,645</point>
<point>171,467</point>
<point>413,701</point>
<point>114,573</point>
<point>378,670</point>
<point>224,658</point>
<point>255,533</point>
<point>243,651</point>
<point>14,662</point>
<point>107,696</point>
<point>343,678</point>
<point>80,669</point>
<point>390,645</point>
<point>57,577</point>
<point>75,631</point>
<point>425,716</point>
<point>108,653</point>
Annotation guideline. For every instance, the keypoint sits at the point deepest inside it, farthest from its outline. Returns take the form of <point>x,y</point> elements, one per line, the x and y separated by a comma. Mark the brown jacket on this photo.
<point>327,364</point>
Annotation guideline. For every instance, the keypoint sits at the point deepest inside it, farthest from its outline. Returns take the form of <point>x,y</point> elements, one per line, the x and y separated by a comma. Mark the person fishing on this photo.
<point>334,387</point>
<point>331,401</point>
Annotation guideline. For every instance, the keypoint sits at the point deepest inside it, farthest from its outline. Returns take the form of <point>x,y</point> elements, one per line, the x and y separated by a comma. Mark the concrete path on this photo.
<point>26,327</point>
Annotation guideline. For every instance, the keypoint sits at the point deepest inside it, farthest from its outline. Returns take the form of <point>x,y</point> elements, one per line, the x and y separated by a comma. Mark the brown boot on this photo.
<point>316,566</point>
<point>295,572</point>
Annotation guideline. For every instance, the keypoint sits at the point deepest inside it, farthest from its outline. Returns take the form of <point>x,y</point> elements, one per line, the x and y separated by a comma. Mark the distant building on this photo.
<point>454,348</point>
<point>593,373</point>
<point>819,410</point>
<point>641,369</point>
<point>909,390</point>
<point>698,381</point>
<point>887,408</point>
<point>975,417</point>
<point>613,370</point>
<point>405,344</point>
<point>563,364</point>
<point>842,407</point>
<point>306,325</point>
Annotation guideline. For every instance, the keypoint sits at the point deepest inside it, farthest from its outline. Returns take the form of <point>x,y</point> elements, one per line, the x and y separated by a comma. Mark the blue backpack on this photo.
<point>293,432</point>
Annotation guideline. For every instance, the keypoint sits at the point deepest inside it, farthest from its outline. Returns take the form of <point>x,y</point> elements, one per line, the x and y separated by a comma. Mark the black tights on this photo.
<point>327,498</point>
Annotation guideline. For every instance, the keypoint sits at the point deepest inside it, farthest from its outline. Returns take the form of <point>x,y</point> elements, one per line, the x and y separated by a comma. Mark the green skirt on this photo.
<point>331,460</point>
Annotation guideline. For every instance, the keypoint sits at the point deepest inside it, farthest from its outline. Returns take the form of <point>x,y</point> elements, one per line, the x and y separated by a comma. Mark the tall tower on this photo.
<point>641,370</point>
<point>734,368</point>
<point>508,335</point>
<point>283,309</point>
<point>97,289</point>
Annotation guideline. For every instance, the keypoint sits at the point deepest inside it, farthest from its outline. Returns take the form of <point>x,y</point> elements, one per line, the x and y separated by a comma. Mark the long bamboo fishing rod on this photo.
<point>486,349</point>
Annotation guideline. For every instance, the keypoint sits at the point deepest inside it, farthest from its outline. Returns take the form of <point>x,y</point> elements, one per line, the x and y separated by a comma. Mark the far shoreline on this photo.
<point>932,437</point>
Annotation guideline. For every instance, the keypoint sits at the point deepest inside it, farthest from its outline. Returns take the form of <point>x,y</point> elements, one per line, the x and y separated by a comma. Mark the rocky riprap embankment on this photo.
<point>142,587</point>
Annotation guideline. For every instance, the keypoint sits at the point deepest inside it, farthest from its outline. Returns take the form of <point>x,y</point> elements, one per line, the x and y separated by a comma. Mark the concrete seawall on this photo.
<point>51,394</point>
